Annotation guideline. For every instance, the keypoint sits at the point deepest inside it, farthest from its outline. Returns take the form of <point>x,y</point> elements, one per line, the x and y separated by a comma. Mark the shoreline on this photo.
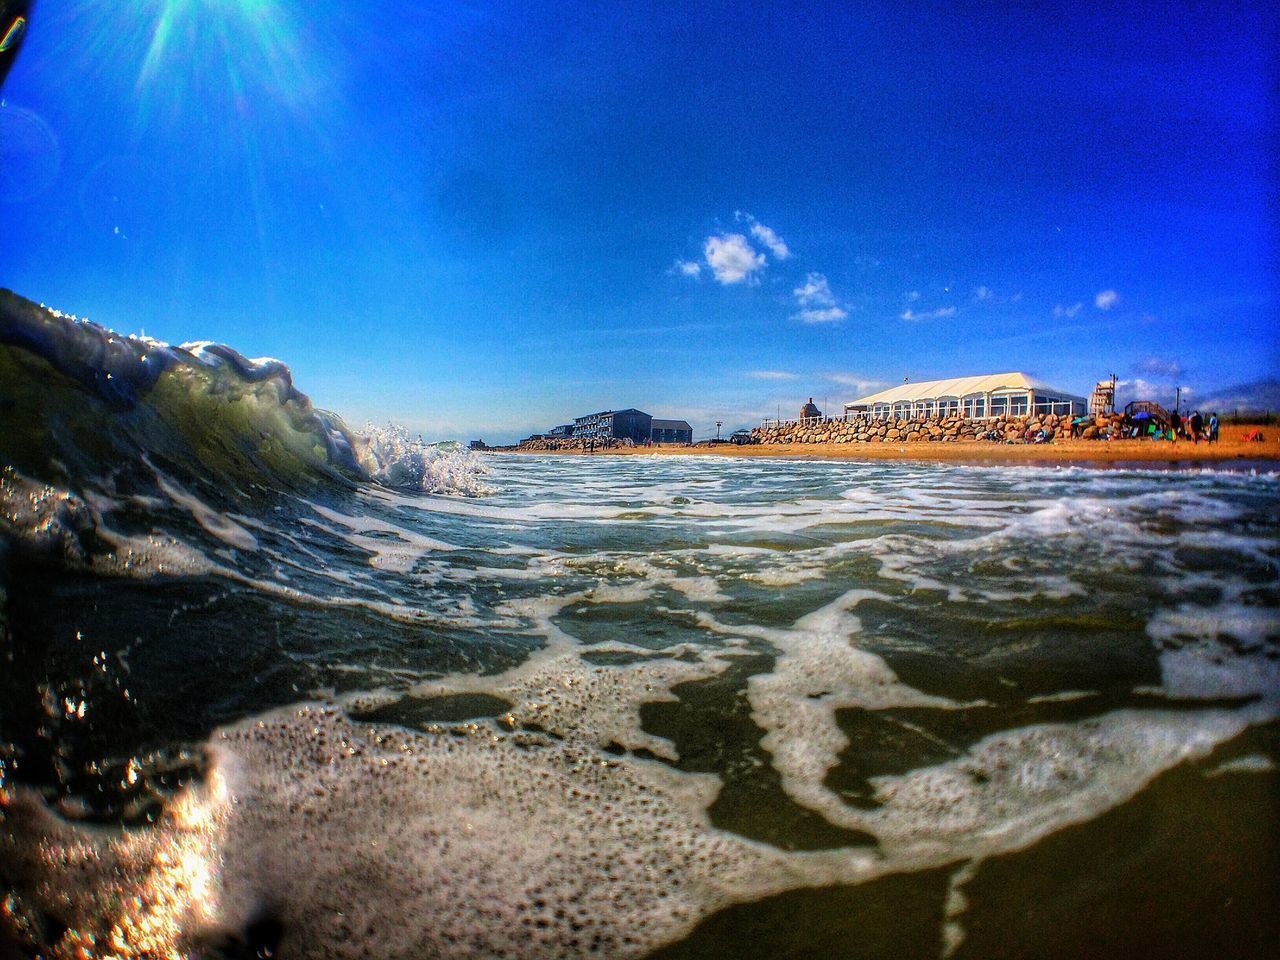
<point>1119,453</point>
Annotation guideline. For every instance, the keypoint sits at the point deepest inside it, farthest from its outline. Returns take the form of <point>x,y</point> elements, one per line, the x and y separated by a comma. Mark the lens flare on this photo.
<point>247,48</point>
<point>13,34</point>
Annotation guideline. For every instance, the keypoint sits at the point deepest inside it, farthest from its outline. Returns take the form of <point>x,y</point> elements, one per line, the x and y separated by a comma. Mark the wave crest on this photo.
<point>82,400</point>
<point>390,456</point>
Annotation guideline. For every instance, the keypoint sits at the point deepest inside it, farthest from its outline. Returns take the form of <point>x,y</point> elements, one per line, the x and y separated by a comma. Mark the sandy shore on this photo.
<point>1229,448</point>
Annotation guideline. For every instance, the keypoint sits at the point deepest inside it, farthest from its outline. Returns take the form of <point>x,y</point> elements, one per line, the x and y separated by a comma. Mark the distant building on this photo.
<point>982,397</point>
<point>671,431</point>
<point>1103,398</point>
<point>562,432</point>
<point>478,445</point>
<point>629,424</point>
<point>810,411</point>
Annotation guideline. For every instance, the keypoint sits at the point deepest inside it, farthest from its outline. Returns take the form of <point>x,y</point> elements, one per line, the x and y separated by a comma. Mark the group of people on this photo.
<point>1194,428</point>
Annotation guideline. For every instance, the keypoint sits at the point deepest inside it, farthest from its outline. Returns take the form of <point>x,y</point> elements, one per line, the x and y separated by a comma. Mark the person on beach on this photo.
<point>1213,428</point>
<point>1175,426</point>
<point>1197,424</point>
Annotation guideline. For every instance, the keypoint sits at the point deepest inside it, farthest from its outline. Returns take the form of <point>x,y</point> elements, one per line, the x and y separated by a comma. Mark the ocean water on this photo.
<point>274,686</point>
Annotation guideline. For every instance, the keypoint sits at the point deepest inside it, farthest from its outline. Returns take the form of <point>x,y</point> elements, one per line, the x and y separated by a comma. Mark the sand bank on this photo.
<point>1230,448</point>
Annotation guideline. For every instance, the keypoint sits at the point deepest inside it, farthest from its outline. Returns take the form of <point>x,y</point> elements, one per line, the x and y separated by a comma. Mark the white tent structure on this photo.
<point>982,397</point>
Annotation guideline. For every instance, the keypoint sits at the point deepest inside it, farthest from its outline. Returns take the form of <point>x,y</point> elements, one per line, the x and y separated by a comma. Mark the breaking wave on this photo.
<point>83,403</point>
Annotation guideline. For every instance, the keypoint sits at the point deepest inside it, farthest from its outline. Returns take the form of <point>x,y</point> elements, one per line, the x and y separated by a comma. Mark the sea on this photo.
<point>273,686</point>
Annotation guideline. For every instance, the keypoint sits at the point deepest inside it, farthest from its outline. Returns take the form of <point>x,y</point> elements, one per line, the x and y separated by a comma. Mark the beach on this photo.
<point>1231,447</point>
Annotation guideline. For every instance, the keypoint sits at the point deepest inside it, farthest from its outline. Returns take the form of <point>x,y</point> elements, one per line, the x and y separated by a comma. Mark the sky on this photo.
<point>483,219</point>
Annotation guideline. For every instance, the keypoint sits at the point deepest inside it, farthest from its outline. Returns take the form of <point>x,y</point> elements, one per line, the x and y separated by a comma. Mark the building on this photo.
<point>563,432</point>
<point>671,431</point>
<point>982,397</point>
<point>1103,399</point>
<point>629,424</point>
<point>478,445</point>
<point>810,411</point>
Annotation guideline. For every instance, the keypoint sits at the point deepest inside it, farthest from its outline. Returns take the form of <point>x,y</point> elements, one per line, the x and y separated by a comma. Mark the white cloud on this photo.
<point>912,296</point>
<point>938,314</point>
<point>862,385</point>
<point>777,246</point>
<point>688,268</point>
<point>988,295</point>
<point>818,302</point>
<point>816,292</point>
<point>1106,299</point>
<point>773,375</point>
<point>731,258</point>
<point>1258,395</point>
<point>1159,367</point>
<point>1071,311</point>
<point>823,315</point>
<point>766,235</point>
<point>1140,389</point>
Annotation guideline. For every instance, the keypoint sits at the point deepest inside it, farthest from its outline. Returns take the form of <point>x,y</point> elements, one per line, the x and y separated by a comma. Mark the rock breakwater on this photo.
<point>572,443</point>
<point>1003,429</point>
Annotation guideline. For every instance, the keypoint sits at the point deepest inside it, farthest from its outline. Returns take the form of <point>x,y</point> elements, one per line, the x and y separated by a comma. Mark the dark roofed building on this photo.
<point>671,431</point>
<point>629,424</point>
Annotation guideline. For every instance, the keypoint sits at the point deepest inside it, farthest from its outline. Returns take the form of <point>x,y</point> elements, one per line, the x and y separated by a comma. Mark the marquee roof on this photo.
<point>960,387</point>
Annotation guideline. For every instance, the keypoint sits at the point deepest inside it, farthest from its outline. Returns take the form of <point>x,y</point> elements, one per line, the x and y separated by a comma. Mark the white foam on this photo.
<point>492,838</point>
<point>398,556</point>
<point>819,671</point>
<point>389,455</point>
<point>216,524</point>
<point>1250,763</point>
<point>49,520</point>
<point>472,840</point>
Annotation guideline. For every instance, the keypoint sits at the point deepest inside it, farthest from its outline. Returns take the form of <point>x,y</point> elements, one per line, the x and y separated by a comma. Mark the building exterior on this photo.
<point>629,424</point>
<point>810,411</point>
<point>563,432</point>
<point>981,397</point>
<point>1103,398</point>
<point>671,431</point>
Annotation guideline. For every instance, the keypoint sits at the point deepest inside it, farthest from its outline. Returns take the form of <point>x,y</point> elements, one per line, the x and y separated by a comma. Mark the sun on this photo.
<point>237,49</point>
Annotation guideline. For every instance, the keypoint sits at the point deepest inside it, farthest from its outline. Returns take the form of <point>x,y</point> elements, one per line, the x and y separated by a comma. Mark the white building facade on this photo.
<point>976,398</point>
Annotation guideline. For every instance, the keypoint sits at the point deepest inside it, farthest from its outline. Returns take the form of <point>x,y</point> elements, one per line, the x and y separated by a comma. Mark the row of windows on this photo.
<point>660,435</point>
<point>975,406</point>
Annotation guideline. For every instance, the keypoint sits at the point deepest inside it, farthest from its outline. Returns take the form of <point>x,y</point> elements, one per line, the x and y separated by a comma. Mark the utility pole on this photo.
<point>1177,401</point>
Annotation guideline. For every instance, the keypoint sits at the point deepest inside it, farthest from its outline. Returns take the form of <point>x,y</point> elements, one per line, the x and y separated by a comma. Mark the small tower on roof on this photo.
<point>810,412</point>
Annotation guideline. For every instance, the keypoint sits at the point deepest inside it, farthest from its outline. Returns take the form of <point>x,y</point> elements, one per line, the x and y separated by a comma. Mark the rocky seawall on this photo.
<point>569,443</point>
<point>1004,429</point>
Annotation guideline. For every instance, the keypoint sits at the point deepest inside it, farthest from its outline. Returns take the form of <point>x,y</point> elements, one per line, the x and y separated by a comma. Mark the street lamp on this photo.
<point>718,422</point>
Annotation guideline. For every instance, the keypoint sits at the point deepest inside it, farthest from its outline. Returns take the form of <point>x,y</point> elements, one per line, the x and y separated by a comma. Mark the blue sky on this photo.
<point>481,219</point>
